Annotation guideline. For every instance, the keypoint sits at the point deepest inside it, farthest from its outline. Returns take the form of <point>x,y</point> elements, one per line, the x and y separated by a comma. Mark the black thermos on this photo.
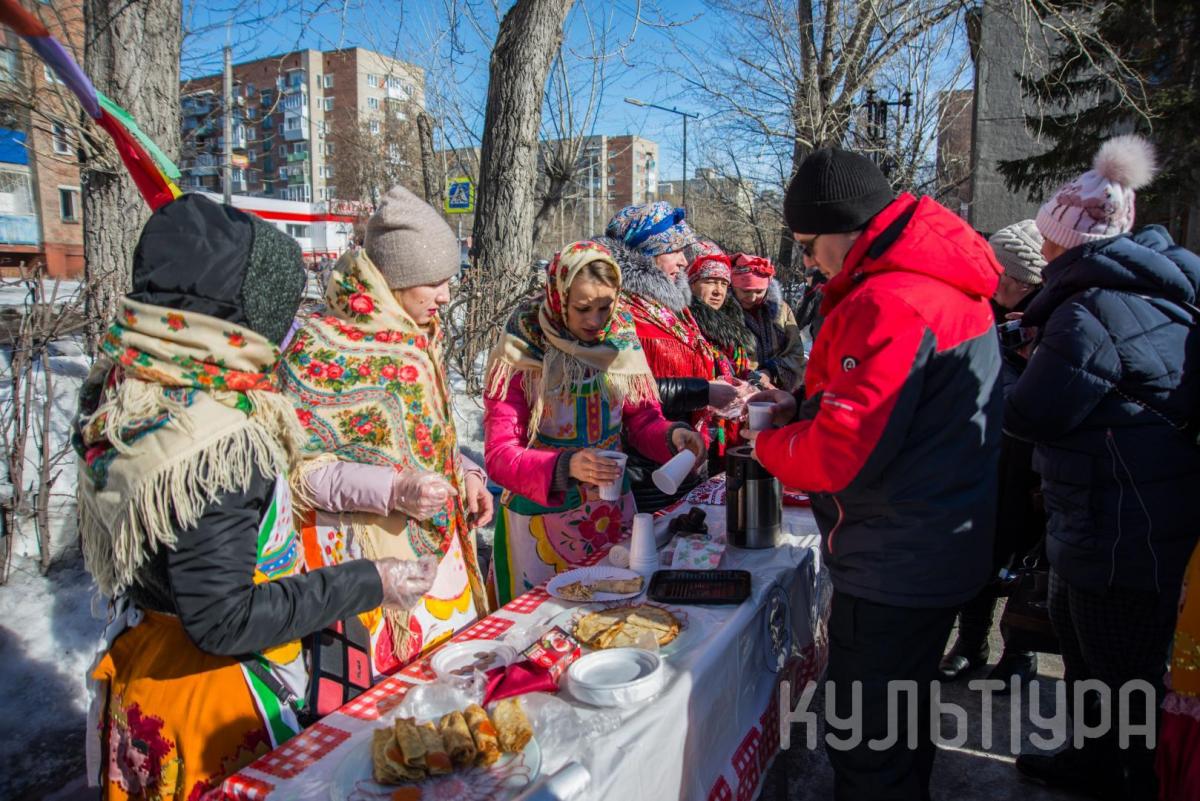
<point>753,501</point>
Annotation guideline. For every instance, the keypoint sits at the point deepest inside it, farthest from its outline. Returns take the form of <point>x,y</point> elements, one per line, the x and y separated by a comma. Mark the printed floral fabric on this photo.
<point>537,345</point>
<point>178,720</point>
<point>533,543</point>
<point>369,386</point>
<point>653,228</point>
<point>1179,733</point>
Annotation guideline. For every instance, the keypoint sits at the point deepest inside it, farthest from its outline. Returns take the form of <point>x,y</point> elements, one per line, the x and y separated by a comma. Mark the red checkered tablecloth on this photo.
<point>727,762</point>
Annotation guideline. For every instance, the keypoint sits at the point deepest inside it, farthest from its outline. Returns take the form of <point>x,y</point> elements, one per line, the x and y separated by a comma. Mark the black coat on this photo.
<point>1115,376</point>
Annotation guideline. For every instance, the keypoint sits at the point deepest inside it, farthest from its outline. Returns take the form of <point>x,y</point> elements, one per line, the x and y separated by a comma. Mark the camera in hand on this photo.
<point>1011,335</point>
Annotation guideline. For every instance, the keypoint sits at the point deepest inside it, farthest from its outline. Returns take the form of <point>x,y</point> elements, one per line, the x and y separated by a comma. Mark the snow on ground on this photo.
<point>49,638</point>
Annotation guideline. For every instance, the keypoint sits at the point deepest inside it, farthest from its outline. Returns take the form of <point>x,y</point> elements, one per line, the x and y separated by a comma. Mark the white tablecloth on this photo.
<point>710,734</point>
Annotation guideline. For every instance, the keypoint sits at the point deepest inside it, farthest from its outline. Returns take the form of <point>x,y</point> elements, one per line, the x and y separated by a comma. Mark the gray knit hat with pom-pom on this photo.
<point>1018,248</point>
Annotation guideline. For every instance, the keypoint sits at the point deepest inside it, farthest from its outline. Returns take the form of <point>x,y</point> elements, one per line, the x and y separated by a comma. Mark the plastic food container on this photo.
<point>616,677</point>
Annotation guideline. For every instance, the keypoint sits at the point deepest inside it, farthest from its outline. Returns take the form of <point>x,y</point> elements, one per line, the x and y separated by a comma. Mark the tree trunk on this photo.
<point>429,176</point>
<point>132,55</point>
<point>529,36</point>
<point>502,251</point>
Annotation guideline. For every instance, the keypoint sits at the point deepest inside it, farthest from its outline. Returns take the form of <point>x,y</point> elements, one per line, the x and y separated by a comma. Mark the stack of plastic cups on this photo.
<point>643,553</point>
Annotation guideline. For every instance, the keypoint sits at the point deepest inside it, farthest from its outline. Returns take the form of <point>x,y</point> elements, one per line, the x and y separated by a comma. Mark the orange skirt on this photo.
<point>177,721</point>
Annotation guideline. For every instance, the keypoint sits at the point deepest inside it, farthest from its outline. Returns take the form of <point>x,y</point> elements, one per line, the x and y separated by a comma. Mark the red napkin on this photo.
<point>517,679</point>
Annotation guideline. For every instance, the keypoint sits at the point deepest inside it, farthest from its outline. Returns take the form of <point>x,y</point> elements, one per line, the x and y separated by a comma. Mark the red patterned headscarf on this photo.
<point>752,272</point>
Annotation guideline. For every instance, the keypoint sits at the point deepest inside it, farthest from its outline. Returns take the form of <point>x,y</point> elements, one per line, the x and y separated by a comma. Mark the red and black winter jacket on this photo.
<point>901,443</point>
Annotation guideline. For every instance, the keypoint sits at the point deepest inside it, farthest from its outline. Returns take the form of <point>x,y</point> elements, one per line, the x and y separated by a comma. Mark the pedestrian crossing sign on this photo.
<point>460,196</point>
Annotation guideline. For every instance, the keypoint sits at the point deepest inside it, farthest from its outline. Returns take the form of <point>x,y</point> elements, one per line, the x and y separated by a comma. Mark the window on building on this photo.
<point>250,132</point>
<point>68,203</point>
<point>291,124</point>
<point>329,104</point>
<point>373,81</point>
<point>328,81</point>
<point>16,192</point>
<point>62,143</point>
<point>327,172</point>
<point>251,112</point>
<point>612,181</point>
<point>267,123</point>
<point>329,148</point>
<point>330,192</point>
<point>239,175</point>
<point>374,126</point>
<point>8,66</point>
<point>296,230</point>
<point>373,103</point>
<point>49,73</point>
<point>252,155</point>
<point>250,90</point>
<point>283,173</point>
<point>612,195</point>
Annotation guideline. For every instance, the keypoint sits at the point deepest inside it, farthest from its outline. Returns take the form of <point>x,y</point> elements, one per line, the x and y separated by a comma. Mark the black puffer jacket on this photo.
<point>1113,380</point>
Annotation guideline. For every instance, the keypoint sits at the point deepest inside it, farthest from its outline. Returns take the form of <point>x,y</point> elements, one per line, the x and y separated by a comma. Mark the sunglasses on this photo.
<point>807,247</point>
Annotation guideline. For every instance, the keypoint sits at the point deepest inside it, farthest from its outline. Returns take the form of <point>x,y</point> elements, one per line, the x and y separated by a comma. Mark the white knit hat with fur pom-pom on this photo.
<point>1099,204</point>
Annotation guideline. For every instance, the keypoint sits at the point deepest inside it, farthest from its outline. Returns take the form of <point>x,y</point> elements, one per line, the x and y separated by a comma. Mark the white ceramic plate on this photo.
<point>351,780</point>
<point>618,677</point>
<point>591,574</point>
<point>457,658</point>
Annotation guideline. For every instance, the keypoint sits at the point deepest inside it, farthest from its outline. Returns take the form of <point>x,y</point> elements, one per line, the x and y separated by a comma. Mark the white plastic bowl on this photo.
<point>616,677</point>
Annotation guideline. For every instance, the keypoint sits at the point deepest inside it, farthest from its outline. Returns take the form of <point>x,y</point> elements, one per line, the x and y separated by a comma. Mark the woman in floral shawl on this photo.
<point>369,385</point>
<point>566,376</point>
<point>185,512</point>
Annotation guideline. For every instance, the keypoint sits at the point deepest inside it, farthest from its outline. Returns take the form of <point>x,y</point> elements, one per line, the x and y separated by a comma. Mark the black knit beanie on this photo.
<point>835,191</point>
<point>201,256</point>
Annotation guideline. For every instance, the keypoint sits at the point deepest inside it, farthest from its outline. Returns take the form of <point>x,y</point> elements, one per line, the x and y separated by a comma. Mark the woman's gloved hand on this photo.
<point>406,580</point>
<point>420,494</point>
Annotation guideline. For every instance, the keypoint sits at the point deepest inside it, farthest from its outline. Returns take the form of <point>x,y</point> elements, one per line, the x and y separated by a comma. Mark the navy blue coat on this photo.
<point>1115,376</point>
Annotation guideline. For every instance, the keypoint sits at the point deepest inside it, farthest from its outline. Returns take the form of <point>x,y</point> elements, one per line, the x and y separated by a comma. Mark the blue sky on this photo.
<point>262,27</point>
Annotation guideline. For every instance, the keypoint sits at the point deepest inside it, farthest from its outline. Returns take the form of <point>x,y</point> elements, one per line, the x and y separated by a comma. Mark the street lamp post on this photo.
<point>633,101</point>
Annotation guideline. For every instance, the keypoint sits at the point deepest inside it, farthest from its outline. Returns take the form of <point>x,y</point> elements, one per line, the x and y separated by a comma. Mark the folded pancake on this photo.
<point>616,585</point>
<point>408,740</point>
<point>386,762</point>
<point>457,737</point>
<point>576,591</point>
<point>512,727</point>
<point>437,761</point>
<point>486,742</point>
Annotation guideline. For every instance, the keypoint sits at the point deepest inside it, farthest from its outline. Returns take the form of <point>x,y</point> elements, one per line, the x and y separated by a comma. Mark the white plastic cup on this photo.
<point>643,551</point>
<point>612,490</point>
<point>668,477</point>
<point>760,415</point>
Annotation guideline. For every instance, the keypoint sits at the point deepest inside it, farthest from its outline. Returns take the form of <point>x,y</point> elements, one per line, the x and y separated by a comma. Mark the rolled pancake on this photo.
<point>386,764</point>
<point>457,737</point>
<point>486,742</point>
<point>437,761</point>
<point>408,740</point>
<point>513,729</point>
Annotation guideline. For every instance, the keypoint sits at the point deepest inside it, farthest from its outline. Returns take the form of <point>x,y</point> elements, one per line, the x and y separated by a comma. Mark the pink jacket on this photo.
<point>529,471</point>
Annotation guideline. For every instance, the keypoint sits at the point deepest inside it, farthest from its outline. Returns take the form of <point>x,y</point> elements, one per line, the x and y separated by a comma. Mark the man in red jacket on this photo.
<point>897,444</point>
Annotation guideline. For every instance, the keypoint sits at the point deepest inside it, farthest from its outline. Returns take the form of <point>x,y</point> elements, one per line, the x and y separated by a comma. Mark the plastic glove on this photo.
<point>406,580</point>
<point>720,394</point>
<point>420,494</point>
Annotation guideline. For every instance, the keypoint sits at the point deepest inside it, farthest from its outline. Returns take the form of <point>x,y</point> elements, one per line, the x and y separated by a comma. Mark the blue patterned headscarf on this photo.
<point>652,229</point>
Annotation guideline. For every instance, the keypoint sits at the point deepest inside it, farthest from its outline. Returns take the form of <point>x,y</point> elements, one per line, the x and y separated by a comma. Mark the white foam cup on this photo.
<point>612,490</point>
<point>760,415</point>
<point>668,477</point>
<point>643,552</point>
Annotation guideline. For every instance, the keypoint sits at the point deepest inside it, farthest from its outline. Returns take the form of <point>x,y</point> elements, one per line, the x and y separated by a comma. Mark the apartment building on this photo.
<point>41,212</point>
<point>291,113</point>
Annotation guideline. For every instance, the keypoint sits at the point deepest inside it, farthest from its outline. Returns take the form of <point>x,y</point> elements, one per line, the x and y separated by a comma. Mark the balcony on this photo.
<point>296,134</point>
<point>295,157</point>
<point>298,178</point>
<point>19,229</point>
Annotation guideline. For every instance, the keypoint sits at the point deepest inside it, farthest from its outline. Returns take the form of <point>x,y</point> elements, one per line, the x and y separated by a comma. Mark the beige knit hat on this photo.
<point>410,243</point>
<point>1018,248</point>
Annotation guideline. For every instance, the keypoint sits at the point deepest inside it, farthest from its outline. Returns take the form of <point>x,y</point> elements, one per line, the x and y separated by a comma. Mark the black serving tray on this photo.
<point>699,586</point>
